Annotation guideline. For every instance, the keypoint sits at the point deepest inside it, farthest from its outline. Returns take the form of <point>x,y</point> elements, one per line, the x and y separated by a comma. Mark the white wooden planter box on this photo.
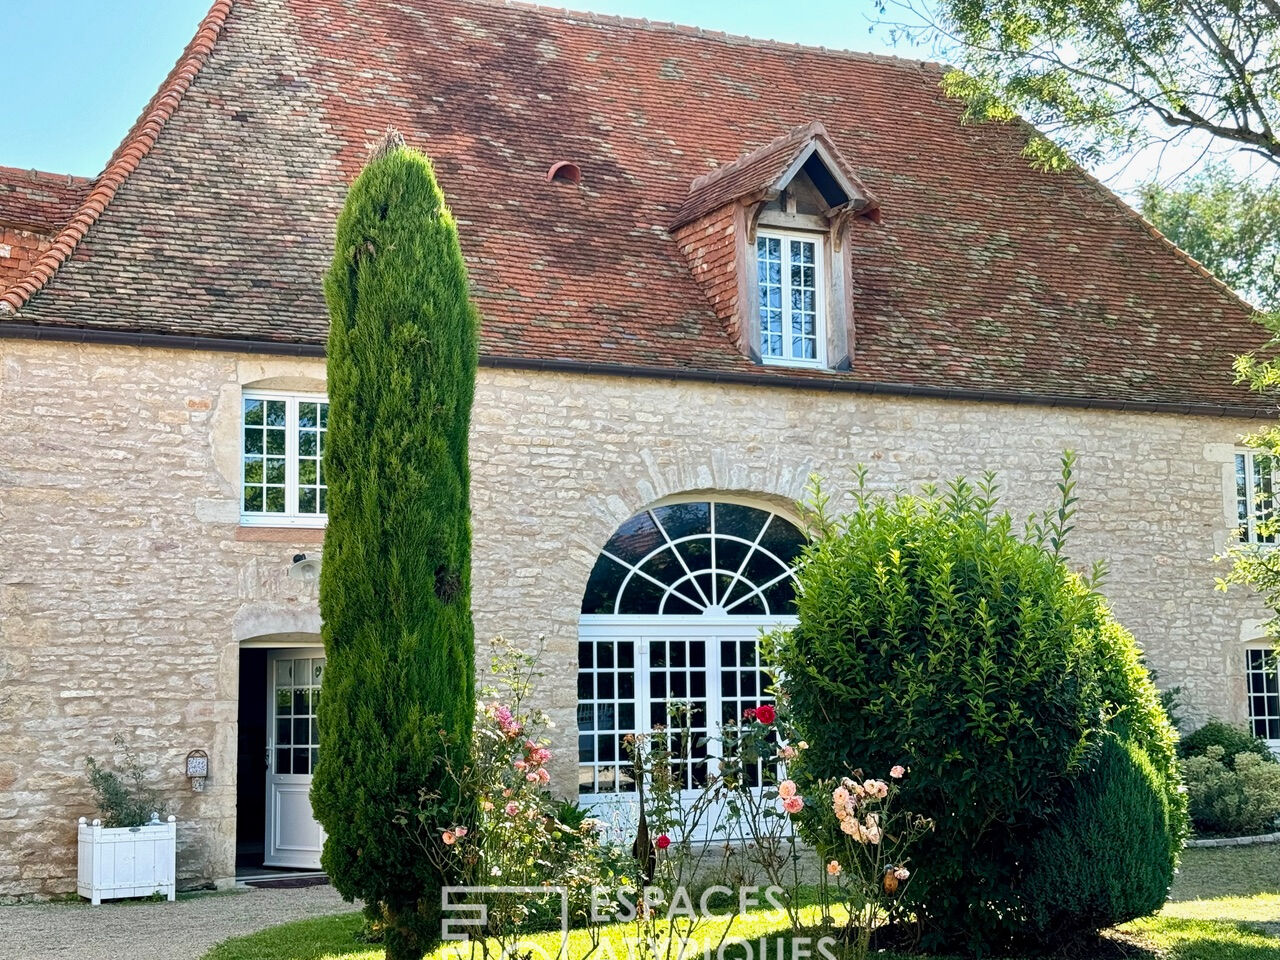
<point>117,862</point>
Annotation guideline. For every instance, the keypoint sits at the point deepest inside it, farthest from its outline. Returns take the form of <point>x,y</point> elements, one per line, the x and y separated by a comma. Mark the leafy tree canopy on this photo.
<point>1228,223</point>
<point>1103,77</point>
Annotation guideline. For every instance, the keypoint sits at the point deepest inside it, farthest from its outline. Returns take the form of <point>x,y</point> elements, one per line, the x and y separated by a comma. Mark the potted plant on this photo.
<point>129,851</point>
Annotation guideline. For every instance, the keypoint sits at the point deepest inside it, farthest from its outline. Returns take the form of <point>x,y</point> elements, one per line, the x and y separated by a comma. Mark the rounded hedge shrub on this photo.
<point>1232,739</point>
<point>1240,797</point>
<point>931,635</point>
<point>1106,858</point>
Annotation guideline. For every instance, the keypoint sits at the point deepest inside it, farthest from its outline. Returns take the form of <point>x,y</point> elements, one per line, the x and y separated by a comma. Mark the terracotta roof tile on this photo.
<point>984,274</point>
<point>38,201</point>
<point>123,162</point>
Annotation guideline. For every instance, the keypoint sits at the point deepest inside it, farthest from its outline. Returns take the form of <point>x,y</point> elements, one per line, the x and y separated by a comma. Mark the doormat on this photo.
<point>288,883</point>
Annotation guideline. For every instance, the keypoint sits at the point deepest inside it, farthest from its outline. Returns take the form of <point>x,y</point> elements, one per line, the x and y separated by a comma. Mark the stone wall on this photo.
<point>127,585</point>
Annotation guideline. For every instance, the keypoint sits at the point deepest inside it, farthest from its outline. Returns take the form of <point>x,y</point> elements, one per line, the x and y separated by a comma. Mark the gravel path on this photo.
<point>136,930</point>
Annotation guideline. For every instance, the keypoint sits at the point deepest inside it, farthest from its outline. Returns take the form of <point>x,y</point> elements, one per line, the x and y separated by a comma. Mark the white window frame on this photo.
<point>291,517</point>
<point>820,297</point>
<point>1248,533</point>
<point>617,808</point>
<point>1249,674</point>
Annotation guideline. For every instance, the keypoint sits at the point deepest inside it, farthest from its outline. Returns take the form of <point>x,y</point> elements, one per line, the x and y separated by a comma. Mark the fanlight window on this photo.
<point>697,558</point>
<point>727,564</point>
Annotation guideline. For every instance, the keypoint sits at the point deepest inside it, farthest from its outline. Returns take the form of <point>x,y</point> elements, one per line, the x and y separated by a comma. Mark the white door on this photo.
<point>293,838</point>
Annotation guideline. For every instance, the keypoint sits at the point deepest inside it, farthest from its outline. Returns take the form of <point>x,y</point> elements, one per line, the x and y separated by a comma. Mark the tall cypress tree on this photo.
<point>395,589</point>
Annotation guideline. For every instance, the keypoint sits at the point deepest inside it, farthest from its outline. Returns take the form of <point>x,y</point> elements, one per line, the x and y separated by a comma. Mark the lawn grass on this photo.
<point>1225,905</point>
<point>1211,872</point>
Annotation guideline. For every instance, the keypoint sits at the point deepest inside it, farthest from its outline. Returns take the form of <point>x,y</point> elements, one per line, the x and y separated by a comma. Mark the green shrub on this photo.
<point>1240,798</point>
<point>123,798</point>
<point>398,697</point>
<point>931,635</point>
<point>1137,714</point>
<point>1106,858</point>
<point>1232,739</point>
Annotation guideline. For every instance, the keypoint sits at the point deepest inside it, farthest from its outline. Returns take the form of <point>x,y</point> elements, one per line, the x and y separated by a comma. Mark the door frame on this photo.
<point>271,856</point>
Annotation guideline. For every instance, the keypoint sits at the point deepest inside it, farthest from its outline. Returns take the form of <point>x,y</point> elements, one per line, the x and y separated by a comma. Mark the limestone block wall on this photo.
<point>127,584</point>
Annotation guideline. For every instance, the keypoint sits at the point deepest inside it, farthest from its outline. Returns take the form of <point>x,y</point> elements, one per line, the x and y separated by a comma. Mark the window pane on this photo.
<point>685,519</point>
<point>253,412</point>
<point>275,500</point>
<point>253,499</point>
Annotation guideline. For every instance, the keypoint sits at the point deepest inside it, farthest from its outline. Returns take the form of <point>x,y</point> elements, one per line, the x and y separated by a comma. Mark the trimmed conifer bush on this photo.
<point>933,636</point>
<point>1106,857</point>
<point>398,696</point>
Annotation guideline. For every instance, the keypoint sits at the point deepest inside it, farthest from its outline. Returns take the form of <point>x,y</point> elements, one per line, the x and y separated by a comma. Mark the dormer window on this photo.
<point>789,287</point>
<point>766,237</point>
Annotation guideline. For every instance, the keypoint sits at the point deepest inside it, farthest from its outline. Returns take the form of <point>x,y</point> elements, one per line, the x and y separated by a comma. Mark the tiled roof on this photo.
<point>33,206</point>
<point>136,144</point>
<point>38,201</point>
<point>984,274</point>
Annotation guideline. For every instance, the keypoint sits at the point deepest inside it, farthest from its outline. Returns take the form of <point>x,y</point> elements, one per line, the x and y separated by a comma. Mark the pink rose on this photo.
<point>532,776</point>
<point>448,838</point>
<point>897,772</point>
<point>787,788</point>
<point>512,808</point>
<point>833,868</point>
<point>793,804</point>
<point>543,776</point>
<point>902,873</point>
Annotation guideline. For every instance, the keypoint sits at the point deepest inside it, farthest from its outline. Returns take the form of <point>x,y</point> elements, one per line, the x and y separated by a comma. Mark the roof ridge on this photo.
<point>70,179</point>
<point>136,144</point>
<point>741,39</point>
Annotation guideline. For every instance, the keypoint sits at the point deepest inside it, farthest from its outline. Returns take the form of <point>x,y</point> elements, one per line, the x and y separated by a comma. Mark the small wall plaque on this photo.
<point>197,769</point>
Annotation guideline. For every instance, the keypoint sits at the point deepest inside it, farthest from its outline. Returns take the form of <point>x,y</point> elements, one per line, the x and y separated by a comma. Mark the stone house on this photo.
<point>708,266</point>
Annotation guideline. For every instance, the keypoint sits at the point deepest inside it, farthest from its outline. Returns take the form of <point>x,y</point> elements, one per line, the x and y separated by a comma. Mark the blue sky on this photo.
<point>77,72</point>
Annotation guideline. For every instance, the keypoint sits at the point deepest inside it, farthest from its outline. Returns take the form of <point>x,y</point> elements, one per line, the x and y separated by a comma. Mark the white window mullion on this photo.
<point>291,457</point>
<point>1251,491</point>
<point>642,685</point>
<point>714,700</point>
<point>786,298</point>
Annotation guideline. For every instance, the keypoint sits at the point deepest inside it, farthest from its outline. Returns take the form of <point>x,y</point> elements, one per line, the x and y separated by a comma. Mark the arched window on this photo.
<point>697,558</point>
<point>672,614</point>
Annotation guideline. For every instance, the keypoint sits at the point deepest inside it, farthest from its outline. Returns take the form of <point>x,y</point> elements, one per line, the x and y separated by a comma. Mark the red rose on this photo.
<point>662,842</point>
<point>766,714</point>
